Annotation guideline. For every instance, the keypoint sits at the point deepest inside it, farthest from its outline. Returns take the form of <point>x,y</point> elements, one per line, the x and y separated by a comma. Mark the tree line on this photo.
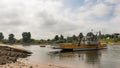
<point>26,38</point>
<point>74,38</point>
<point>98,36</point>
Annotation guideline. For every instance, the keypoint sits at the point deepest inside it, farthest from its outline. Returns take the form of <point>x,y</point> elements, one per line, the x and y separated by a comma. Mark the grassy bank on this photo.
<point>111,41</point>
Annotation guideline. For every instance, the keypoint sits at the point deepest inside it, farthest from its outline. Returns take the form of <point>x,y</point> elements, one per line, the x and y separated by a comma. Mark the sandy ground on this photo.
<point>23,64</point>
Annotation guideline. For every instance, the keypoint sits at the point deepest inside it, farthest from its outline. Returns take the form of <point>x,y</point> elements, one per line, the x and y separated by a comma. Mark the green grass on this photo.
<point>107,40</point>
<point>110,40</point>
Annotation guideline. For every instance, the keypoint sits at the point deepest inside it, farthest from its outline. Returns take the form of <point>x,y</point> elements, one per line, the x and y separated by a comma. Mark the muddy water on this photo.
<point>106,58</point>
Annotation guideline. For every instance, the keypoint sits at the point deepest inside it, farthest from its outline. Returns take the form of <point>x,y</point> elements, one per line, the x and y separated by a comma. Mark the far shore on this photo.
<point>114,43</point>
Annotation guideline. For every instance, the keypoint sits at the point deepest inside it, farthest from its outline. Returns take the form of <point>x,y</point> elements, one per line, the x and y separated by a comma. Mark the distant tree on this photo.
<point>1,36</point>
<point>61,37</point>
<point>19,41</point>
<point>11,39</point>
<point>5,41</point>
<point>74,38</point>
<point>42,41</point>
<point>92,37</point>
<point>100,35</point>
<point>108,36</point>
<point>80,38</point>
<point>90,34</point>
<point>69,39</point>
<point>26,37</point>
<point>48,40</point>
<point>56,38</point>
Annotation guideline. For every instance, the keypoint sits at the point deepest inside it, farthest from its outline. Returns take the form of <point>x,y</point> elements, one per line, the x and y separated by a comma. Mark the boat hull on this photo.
<point>68,47</point>
<point>84,49</point>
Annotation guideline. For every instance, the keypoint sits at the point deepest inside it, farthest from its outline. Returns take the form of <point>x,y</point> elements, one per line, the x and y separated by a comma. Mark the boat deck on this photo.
<point>81,47</point>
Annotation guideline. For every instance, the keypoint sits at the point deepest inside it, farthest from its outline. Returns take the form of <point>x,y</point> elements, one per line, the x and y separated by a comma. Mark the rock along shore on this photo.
<point>9,54</point>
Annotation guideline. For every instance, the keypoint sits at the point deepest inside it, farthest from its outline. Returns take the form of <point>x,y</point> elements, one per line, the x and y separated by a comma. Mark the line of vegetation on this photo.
<point>26,38</point>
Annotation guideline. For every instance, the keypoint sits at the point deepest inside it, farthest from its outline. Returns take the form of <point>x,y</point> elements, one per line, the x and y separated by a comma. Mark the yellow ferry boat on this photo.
<point>84,45</point>
<point>68,46</point>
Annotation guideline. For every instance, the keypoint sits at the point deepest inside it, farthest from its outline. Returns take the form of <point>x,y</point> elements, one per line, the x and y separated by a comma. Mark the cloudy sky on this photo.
<point>46,18</point>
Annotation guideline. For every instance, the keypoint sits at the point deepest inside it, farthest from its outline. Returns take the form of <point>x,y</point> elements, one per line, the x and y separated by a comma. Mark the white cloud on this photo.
<point>115,21</point>
<point>101,9</point>
<point>46,18</point>
<point>113,1</point>
<point>117,10</point>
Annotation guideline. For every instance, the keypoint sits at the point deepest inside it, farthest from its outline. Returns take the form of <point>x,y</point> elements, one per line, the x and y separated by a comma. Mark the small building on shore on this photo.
<point>116,35</point>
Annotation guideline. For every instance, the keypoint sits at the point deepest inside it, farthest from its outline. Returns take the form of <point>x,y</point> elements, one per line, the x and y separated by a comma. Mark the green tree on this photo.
<point>100,35</point>
<point>56,38</point>
<point>69,39</point>
<point>11,39</point>
<point>74,38</point>
<point>26,37</point>
<point>90,35</point>
<point>48,40</point>
<point>1,36</point>
<point>109,36</point>
<point>61,37</point>
<point>80,37</point>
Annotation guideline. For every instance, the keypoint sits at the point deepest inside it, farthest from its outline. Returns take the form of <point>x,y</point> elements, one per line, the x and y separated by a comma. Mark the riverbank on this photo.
<point>9,54</point>
<point>23,64</point>
<point>13,57</point>
<point>114,43</point>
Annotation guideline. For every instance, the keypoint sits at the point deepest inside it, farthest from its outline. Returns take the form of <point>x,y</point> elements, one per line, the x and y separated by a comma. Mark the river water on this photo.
<point>106,58</point>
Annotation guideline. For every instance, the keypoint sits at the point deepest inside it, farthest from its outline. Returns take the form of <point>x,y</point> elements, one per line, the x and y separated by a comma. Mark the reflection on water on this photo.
<point>106,58</point>
<point>87,56</point>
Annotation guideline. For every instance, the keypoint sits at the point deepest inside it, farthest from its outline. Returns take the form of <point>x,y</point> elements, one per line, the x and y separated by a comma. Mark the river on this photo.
<point>106,58</point>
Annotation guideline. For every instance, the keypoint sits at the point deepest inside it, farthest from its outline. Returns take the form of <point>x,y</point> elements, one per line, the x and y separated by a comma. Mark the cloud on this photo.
<point>101,9</point>
<point>113,1</point>
<point>46,18</point>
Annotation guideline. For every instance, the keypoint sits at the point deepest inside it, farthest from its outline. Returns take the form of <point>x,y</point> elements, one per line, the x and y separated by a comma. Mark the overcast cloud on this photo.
<point>46,18</point>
